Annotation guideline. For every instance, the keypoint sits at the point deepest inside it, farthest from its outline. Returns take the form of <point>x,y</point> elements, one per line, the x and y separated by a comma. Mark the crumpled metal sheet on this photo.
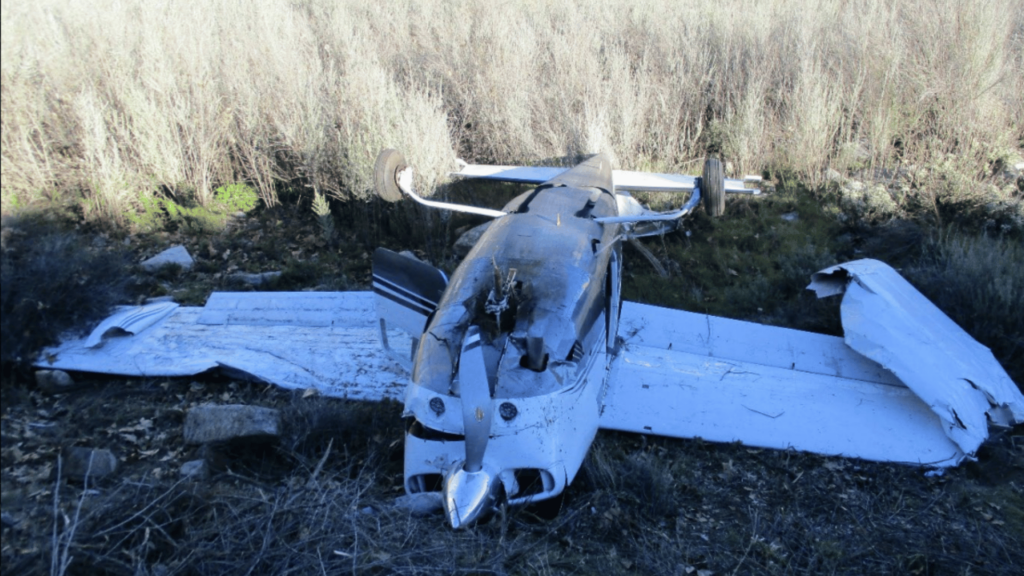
<point>886,319</point>
<point>130,320</point>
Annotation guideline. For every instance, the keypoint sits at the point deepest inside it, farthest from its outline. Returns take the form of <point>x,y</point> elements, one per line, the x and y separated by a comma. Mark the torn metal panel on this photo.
<point>886,319</point>
<point>128,321</point>
<point>690,375</point>
<point>300,340</point>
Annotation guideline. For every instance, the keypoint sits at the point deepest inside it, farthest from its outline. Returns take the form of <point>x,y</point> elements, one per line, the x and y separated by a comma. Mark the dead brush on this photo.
<point>652,506</point>
<point>53,281</point>
<point>170,102</point>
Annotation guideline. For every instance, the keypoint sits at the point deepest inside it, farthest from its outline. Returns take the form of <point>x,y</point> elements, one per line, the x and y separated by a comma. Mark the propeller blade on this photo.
<point>477,405</point>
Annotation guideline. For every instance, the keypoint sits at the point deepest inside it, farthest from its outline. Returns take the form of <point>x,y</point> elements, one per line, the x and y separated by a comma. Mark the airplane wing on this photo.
<point>687,375</point>
<point>906,384</point>
<point>624,179</point>
<point>328,341</point>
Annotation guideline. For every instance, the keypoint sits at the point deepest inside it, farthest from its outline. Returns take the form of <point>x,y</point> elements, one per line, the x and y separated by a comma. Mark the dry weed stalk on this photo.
<point>117,98</point>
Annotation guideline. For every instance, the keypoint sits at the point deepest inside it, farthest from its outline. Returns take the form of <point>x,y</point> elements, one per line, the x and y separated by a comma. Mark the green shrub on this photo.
<point>324,220</point>
<point>236,198</point>
<point>150,215</point>
<point>194,218</point>
<point>155,213</point>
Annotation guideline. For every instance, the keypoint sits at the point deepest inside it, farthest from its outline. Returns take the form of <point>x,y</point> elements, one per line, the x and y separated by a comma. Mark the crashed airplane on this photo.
<point>509,368</point>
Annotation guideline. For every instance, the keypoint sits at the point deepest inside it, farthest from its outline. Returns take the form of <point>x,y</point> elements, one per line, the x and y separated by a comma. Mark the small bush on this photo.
<point>194,218</point>
<point>53,281</point>
<point>155,213</point>
<point>324,220</point>
<point>236,198</point>
<point>150,215</point>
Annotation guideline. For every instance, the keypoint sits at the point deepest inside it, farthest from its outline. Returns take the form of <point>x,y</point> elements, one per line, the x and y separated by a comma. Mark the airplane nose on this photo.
<point>468,496</point>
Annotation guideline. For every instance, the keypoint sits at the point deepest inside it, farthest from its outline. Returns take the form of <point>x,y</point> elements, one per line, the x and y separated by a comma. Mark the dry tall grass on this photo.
<point>117,98</point>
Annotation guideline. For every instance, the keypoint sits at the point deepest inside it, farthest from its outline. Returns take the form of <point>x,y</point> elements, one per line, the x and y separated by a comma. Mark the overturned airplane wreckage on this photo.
<point>510,367</point>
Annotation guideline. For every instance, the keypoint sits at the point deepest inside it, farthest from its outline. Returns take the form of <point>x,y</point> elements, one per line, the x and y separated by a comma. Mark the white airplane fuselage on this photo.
<point>530,305</point>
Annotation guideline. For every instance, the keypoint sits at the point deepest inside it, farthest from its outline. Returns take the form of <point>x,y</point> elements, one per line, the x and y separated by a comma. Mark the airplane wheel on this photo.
<point>385,175</point>
<point>712,187</point>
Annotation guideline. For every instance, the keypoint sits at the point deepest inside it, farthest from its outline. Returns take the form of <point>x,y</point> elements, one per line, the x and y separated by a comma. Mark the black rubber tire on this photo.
<point>385,175</point>
<point>712,187</point>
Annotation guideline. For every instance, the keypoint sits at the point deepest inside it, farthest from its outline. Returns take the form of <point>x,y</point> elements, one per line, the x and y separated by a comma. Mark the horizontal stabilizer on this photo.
<point>624,180</point>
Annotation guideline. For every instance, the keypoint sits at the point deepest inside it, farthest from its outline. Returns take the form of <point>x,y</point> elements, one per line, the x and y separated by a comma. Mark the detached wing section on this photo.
<point>690,375</point>
<point>327,341</point>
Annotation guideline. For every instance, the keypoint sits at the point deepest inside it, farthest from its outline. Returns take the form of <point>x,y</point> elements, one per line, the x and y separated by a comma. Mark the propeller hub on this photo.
<point>470,496</point>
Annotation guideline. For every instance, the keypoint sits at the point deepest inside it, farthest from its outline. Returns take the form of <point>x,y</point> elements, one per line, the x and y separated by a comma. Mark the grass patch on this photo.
<point>753,263</point>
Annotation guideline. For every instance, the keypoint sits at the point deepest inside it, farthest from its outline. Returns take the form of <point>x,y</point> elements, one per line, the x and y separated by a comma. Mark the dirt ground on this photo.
<point>320,499</point>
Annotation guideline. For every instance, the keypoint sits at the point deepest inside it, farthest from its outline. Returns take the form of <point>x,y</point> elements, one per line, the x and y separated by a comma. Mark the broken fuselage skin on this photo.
<point>535,303</point>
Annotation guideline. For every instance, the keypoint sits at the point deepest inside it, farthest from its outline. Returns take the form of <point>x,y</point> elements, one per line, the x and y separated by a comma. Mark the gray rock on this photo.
<point>254,279</point>
<point>216,423</point>
<point>54,381</point>
<point>1013,170</point>
<point>174,255</point>
<point>833,176</point>
<point>194,469</point>
<point>80,461</point>
<point>469,238</point>
<point>422,504</point>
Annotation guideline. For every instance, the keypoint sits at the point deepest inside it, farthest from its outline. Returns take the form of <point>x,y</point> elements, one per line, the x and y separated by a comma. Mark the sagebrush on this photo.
<point>113,99</point>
